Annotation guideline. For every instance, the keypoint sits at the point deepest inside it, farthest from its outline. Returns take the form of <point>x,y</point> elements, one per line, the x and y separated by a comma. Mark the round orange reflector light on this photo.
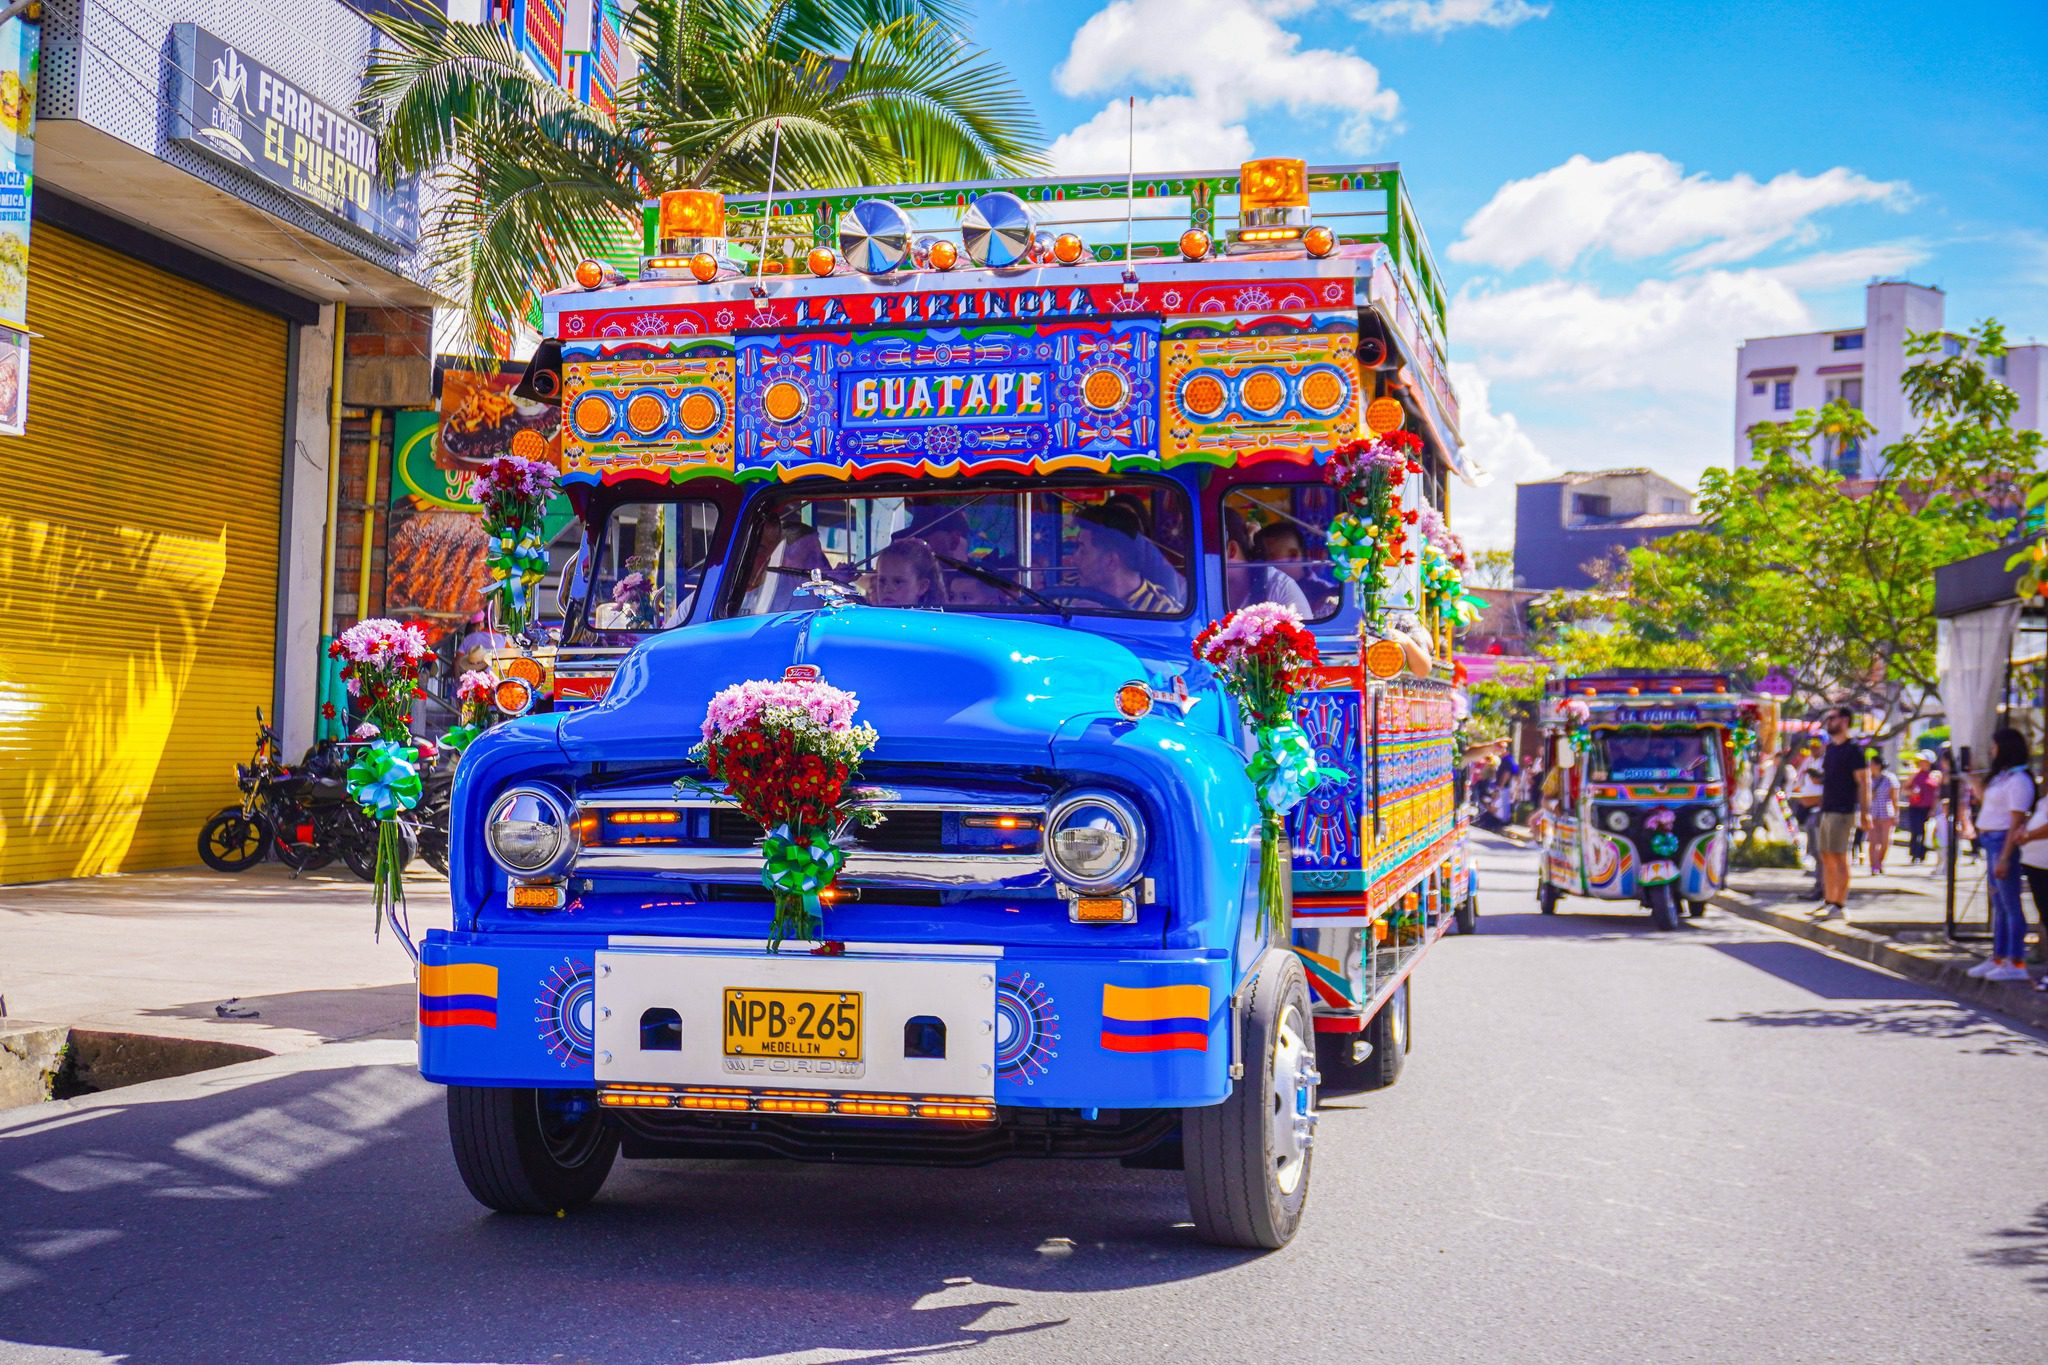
<point>699,411</point>
<point>1322,390</point>
<point>1134,699</point>
<point>526,670</point>
<point>1202,396</point>
<point>1067,248</point>
<point>1264,393</point>
<point>704,267</point>
<point>1104,388</point>
<point>512,696</point>
<point>529,444</point>
<point>784,400</point>
<point>592,414</point>
<point>821,261</point>
<point>1383,415</point>
<point>645,414</point>
<point>1194,244</point>
<point>943,255</point>
<point>590,274</point>
<point>1319,240</point>
<point>1383,658</point>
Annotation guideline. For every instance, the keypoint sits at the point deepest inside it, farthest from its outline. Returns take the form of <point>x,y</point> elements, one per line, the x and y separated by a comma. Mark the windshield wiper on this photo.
<point>1002,584</point>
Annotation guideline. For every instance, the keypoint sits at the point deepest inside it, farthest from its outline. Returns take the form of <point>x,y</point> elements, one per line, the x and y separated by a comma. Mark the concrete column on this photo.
<point>304,541</point>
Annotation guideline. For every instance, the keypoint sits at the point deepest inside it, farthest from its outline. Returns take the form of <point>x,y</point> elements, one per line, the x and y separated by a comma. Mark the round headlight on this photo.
<point>1705,818</point>
<point>530,831</point>
<point>1616,819</point>
<point>1094,841</point>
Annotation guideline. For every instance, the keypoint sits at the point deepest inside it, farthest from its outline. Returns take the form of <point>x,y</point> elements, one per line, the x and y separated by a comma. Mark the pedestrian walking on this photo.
<point>2034,865</point>
<point>1923,793</point>
<point>2002,819</point>
<point>1884,812</point>
<point>1804,785</point>
<point>1844,807</point>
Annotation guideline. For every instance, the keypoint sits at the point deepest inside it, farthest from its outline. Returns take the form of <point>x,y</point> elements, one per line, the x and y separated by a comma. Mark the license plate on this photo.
<point>793,1024</point>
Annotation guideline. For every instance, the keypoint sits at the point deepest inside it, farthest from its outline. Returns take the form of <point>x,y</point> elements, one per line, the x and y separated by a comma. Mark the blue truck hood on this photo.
<point>939,687</point>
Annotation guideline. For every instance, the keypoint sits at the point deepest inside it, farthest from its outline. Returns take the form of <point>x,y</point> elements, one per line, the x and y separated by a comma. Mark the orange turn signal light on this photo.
<point>534,895</point>
<point>1067,248</point>
<point>821,261</point>
<point>1319,240</point>
<point>943,255</point>
<point>590,274</point>
<point>526,669</point>
<point>512,696</point>
<point>704,267</point>
<point>1102,910</point>
<point>1384,659</point>
<point>1134,699</point>
<point>1194,244</point>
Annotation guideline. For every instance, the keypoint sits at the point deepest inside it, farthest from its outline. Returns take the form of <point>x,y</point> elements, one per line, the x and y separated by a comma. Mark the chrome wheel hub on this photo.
<point>1291,1102</point>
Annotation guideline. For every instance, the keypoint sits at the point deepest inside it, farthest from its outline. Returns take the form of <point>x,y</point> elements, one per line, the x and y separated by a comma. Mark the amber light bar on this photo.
<point>950,1108</point>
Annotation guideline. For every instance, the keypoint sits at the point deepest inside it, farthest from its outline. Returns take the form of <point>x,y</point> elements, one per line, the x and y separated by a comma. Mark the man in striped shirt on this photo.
<point>1107,555</point>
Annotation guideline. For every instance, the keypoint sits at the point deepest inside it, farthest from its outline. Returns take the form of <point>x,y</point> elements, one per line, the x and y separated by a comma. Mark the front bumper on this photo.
<point>1031,1028</point>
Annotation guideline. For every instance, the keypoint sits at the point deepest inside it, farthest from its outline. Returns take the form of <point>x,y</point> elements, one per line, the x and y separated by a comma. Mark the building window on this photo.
<point>1671,505</point>
<point>1951,346</point>
<point>1591,506</point>
<point>1998,366</point>
<point>1781,395</point>
<point>1849,341</point>
<point>1757,387</point>
<point>1849,391</point>
<point>1845,457</point>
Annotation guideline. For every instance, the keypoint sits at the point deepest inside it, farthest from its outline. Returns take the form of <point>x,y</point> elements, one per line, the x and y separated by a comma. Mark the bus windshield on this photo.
<point>1680,756</point>
<point>1103,547</point>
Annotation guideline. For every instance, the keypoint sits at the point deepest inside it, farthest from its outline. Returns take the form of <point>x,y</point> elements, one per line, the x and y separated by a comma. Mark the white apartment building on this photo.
<point>1862,365</point>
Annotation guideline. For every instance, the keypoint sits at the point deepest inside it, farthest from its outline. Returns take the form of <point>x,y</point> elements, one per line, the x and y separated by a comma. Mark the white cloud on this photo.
<point>1211,64</point>
<point>1440,16</point>
<point>1172,133</point>
<point>1640,204</point>
<point>1505,455</point>
<point>1674,336</point>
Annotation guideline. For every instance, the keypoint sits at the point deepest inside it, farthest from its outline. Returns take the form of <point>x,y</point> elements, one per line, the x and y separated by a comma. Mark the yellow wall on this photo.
<point>138,563</point>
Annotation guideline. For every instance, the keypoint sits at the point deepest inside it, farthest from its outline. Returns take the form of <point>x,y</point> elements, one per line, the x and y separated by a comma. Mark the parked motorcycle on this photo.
<point>302,816</point>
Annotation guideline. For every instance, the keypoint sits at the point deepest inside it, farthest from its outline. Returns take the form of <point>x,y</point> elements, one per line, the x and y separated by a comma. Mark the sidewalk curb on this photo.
<point>1941,973</point>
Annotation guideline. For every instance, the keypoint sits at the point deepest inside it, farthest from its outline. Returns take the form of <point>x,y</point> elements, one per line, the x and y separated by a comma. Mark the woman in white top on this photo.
<point>2002,821</point>
<point>2034,866</point>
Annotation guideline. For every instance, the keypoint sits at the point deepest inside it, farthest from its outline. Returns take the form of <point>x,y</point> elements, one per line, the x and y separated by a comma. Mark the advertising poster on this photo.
<point>20,57</point>
<point>481,419</point>
<point>436,548</point>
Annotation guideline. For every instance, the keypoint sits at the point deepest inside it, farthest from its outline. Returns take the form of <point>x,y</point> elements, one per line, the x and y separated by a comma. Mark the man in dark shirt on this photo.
<point>1844,805</point>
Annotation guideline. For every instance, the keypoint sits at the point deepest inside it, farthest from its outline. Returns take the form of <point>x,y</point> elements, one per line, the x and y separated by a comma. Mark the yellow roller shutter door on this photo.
<point>138,562</point>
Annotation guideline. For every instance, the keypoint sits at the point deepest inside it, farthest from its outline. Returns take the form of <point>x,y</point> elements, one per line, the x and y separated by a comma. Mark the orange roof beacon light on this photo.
<point>704,267</point>
<point>1319,240</point>
<point>1067,248</point>
<point>820,261</point>
<point>590,274</point>
<point>690,218</point>
<point>1272,201</point>
<point>943,255</point>
<point>1194,244</point>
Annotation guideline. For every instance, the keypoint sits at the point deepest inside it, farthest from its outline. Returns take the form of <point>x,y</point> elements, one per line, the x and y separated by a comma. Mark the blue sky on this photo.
<point>1619,190</point>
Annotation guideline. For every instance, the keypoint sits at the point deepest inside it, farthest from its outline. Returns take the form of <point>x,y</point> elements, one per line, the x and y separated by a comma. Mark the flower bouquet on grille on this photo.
<point>512,493</point>
<point>1370,538</point>
<point>381,662</point>
<point>787,753</point>
<point>473,709</point>
<point>1263,656</point>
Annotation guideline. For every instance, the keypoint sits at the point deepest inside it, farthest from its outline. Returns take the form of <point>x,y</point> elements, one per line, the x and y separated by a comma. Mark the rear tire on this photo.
<point>1694,909</point>
<point>1467,915</point>
<point>1663,908</point>
<point>530,1151</point>
<point>232,841</point>
<point>1248,1158</point>
<point>1390,1036</point>
<point>1546,898</point>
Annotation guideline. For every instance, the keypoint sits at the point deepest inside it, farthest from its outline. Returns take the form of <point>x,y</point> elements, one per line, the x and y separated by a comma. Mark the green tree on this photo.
<point>1829,582</point>
<point>1492,569</point>
<point>526,179</point>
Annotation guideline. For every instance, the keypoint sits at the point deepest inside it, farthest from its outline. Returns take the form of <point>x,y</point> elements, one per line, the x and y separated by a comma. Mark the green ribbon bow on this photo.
<point>798,865</point>
<point>461,737</point>
<point>1351,544</point>
<point>385,779</point>
<point>1283,767</point>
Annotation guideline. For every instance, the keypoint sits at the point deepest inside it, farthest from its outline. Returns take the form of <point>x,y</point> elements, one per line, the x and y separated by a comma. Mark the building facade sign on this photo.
<point>20,53</point>
<point>239,111</point>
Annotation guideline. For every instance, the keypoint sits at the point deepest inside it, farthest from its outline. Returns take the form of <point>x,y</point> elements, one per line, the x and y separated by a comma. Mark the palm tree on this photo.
<point>525,179</point>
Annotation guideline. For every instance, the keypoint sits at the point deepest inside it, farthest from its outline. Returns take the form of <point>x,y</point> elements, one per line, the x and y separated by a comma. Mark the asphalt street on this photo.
<point>1610,1145</point>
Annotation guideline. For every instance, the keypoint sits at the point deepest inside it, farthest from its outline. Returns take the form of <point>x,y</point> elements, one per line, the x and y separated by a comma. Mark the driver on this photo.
<point>1107,560</point>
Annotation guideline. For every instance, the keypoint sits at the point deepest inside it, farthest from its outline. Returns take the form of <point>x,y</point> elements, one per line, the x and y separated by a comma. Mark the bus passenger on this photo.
<point>1106,560</point>
<point>906,575</point>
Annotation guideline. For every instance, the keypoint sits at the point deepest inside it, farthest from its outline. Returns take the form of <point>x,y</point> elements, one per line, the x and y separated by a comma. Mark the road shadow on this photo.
<point>1936,1019</point>
<point>1823,974</point>
<point>318,1216</point>
<point>365,1012</point>
<point>1587,923</point>
<point>2024,1248</point>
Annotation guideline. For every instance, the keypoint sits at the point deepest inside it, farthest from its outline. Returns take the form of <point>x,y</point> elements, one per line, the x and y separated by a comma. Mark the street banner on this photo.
<point>20,58</point>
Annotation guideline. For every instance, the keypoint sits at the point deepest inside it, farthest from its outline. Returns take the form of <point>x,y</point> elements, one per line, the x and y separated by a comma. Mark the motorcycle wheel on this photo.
<point>357,840</point>
<point>299,857</point>
<point>232,841</point>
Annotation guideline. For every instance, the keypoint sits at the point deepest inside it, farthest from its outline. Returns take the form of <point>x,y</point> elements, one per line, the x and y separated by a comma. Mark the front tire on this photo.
<point>232,841</point>
<point>1546,898</point>
<point>1663,908</point>
<point>530,1151</point>
<point>1248,1158</point>
<point>1695,909</point>
<point>1467,915</point>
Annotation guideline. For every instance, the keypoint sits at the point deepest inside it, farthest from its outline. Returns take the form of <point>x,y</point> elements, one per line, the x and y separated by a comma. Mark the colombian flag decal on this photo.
<point>1155,1018</point>
<point>459,993</point>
